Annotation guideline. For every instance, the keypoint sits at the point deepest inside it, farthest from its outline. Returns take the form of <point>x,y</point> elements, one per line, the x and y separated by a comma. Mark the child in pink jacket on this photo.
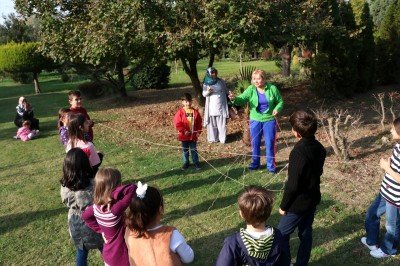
<point>25,133</point>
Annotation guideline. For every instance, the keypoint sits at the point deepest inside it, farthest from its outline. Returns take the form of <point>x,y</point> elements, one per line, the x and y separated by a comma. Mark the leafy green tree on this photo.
<point>388,46</point>
<point>16,29</point>
<point>358,6</point>
<point>192,30</point>
<point>23,57</point>
<point>378,10</point>
<point>105,34</point>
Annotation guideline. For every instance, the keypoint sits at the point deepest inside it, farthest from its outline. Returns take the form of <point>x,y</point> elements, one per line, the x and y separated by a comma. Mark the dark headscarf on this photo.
<point>208,79</point>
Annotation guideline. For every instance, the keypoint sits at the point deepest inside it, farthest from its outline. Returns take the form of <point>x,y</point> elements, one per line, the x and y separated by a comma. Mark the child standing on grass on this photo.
<point>148,241</point>
<point>77,127</point>
<point>302,189</point>
<point>25,133</point>
<point>76,194</point>
<point>106,215</point>
<point>188,123</point>
<point>387,201</point>
<point>258,243</point>
<point>75,100</point>
<point>62,125</point>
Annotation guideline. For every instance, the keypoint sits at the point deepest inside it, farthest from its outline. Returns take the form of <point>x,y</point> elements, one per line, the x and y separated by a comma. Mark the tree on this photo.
<point>16,29</point>
<point>366,58</point>
<point>191,30</point>
<point>378,10</point>
<point>23,57</point>
<point>100,33</point>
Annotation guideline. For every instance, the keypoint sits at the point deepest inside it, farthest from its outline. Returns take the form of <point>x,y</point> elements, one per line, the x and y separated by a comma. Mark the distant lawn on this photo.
<point>225,69</point>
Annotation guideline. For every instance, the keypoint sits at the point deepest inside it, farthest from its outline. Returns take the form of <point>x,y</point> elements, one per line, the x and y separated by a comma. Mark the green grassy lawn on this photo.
<point>201,204</point>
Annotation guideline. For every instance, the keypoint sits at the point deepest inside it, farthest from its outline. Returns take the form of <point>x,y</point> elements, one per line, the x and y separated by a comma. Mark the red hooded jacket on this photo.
<point>182,125</point>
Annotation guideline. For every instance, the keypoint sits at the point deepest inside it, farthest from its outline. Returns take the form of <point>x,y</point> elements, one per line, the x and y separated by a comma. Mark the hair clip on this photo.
<point>141,190</point>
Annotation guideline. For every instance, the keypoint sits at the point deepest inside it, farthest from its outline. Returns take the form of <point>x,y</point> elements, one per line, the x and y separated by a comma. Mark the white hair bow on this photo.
<point>141,190</point>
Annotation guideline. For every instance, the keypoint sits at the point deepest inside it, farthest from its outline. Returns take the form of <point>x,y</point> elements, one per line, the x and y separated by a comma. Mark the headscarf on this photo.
<point>208,79</point>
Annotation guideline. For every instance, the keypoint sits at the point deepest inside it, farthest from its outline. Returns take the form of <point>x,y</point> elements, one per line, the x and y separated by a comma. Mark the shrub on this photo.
<point>152,76</point>
<point>22,77</point>
<point>94,89</point>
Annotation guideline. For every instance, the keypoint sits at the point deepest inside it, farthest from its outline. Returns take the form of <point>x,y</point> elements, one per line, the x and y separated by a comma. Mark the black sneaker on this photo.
<point>197,166</point>
<point>185,166</point>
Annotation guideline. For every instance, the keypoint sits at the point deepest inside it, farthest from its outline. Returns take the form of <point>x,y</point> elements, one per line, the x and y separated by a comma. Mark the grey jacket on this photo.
<point>224,101</point>
<point>76,202</point>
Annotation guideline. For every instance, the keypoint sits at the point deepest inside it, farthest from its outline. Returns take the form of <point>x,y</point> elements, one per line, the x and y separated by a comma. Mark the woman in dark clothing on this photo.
<point>25,112</point>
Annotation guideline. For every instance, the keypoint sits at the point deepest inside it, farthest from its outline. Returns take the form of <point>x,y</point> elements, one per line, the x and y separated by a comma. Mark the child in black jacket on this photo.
<point>302,189</point>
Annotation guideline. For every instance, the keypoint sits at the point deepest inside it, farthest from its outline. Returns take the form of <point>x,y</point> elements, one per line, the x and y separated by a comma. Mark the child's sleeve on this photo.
<point>178,245</point>
<point>178,123</point>
<point>228,255</point>
<point>19,132</point>
<point>90,220</point>
<point>295,169</point>
<point>122,196</point>
<point>199,122</point>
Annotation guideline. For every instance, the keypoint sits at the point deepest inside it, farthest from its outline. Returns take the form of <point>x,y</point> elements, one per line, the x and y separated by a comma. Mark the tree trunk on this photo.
<point>191,70</point>
<point>286,56</point>
<point>246,138</point>
<point>212,58</point>
<point>121,79</point>
<point>36,82</point>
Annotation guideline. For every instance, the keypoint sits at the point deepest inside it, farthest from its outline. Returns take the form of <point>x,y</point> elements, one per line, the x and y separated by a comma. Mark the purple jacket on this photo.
<point>109,220</point>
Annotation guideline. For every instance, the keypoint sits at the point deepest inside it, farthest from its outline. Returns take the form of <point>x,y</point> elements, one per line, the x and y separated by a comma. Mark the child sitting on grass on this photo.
<point>258,243</point>
<point>25,133</point>
<point>387,201</point>
<point>188,123</point>
<point>149,242</point>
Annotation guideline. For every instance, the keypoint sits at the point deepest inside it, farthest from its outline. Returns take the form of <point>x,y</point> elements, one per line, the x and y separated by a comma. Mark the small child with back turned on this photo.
<point>148,241</point>
<point>258,243</point>
<point>302,189</point>
<point>106,215</point>
<point>188,123</point>
<point>25,133</point>
<point>387,201</point>
<point>62,125</point>
<point>75,100</point>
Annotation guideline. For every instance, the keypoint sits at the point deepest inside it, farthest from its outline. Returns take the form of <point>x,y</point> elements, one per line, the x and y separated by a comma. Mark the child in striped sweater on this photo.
<point>387,201</point>
<point>258,243</point>
<point>106,215</point>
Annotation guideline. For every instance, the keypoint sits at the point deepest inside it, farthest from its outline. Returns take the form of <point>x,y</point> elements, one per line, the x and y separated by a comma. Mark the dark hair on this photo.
<point>255,203</point>
<point>186,97</point>
<point>73,93</point>
<point>26,123</point>
<point>75,128</point>
<point>61,114</point>
<point>304,123</point>
<point>105,181</point>
<point>143,212</point>
<point>396,125</point>
<point>77,171</point>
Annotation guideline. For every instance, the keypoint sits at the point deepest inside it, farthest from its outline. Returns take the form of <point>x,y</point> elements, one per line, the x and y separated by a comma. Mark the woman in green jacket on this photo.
<point>265,103</point>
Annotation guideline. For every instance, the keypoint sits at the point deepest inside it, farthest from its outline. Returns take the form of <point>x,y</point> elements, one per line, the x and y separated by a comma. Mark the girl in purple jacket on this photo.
<point>105,216</point>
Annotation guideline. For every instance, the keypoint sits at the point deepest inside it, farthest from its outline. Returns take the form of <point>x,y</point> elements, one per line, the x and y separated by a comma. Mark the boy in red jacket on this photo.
<point>188,123</point>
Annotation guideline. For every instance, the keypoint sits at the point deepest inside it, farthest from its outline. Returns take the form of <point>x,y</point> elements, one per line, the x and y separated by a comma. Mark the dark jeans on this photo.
<point>186,146</point>
<point>287,225</point>
<point>81,256</point>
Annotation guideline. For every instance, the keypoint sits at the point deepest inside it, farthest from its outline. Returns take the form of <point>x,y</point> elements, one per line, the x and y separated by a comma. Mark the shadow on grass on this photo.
<point>14,221</point>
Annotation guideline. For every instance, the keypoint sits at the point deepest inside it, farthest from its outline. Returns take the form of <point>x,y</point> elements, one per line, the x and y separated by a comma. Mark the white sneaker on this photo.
<point>15,137</point>
<point>379,254</point>
<point>364,241</point>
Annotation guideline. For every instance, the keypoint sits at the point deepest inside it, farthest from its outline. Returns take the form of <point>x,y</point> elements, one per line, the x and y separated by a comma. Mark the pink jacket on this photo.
<point>23,133</point>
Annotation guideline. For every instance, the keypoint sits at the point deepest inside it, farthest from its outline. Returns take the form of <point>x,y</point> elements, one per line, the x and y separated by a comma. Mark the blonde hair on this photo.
<point>105,181</point>
<point>260,72</point>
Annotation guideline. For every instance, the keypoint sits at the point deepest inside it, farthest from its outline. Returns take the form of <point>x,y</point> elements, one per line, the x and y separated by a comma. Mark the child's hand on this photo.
<point>187,133</point>
<point>231,96</point>
<point>384,163</point>
<point>282,212</point>
<point>274,112</point>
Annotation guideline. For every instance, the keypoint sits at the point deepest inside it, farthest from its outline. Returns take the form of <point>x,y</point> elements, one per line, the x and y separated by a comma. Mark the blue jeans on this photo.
<point>372,222</point>
<point>257,130</point>
<point>186,146</point>
<point>287,225</point>
<point>81,256</point>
